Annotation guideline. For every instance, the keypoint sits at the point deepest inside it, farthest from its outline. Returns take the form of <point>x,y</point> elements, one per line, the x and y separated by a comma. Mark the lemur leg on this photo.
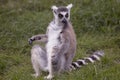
<point>50,68</point>
<point>61,64</point>
<point>52,61</point>
<point>38,59</point>
<point>69,59</point>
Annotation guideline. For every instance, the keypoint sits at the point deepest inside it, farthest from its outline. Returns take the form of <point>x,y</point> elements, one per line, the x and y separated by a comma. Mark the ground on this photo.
<point>96,24</point>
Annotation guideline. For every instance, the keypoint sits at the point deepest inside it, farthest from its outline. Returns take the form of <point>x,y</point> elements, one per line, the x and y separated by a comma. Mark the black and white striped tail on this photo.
<point>91,59</point>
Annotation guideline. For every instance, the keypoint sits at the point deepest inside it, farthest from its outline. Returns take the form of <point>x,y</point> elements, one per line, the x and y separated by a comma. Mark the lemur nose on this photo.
<point>64,21</point>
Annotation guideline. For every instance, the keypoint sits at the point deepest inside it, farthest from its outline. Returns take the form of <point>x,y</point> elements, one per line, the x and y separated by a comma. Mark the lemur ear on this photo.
<point>69,6</point>
<point>54,8</point>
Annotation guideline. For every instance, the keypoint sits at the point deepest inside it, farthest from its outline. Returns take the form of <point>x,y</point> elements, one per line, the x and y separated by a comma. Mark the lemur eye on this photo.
<point>66,15</point>
<point>60,15</point>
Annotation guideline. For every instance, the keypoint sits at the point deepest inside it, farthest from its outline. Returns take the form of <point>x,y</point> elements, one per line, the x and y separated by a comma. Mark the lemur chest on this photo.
<point>53,37</point>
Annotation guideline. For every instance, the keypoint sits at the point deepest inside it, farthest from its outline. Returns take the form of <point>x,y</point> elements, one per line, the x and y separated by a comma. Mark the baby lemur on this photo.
<point>60,40</point>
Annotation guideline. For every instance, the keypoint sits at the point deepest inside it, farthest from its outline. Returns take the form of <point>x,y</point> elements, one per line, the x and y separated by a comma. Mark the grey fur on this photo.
<point>64,53</point>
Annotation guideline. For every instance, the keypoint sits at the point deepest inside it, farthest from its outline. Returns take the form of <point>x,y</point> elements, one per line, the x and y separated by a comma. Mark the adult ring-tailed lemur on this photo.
<point>60,39</point>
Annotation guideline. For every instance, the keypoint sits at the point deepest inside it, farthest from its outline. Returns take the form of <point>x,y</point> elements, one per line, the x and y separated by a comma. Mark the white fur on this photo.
<point>37,55</point>
<point>100,53</point>
<point>69,6</point>
<point>63,13</point>
<point>92,61</point>
<point>72,67</point>
<point>53,30</point>
<point>54,7</point>
<point>39,61</point>
<point>53,35</point>
<point>97,57</point>
<point>77,64</point>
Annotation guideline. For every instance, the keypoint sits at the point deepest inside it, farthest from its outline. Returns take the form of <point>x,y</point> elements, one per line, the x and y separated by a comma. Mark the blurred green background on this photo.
<point>96,24</point>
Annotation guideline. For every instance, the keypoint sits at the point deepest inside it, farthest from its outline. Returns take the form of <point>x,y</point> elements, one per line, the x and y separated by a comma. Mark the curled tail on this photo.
<point>91,59</point>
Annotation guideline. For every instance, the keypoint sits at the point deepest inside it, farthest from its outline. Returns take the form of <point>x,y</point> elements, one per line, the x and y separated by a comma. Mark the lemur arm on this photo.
<point>40,37</point>
<point>64,46</point>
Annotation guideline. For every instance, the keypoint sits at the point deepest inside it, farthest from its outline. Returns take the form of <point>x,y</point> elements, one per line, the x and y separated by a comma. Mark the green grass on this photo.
<point>96,23</point>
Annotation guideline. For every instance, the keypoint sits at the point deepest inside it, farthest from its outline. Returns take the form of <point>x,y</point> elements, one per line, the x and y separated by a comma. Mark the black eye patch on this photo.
<point>60,15</point>
<point>66,15</point>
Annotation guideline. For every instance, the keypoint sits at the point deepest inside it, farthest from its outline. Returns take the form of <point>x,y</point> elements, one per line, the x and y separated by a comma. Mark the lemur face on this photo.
<point>62,14</point>
<point>63,17</point>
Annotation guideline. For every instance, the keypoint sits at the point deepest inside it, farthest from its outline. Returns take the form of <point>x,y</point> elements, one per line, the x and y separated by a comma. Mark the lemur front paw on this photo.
<point>49,77</point>
<point>35,75</point>
<point>31,40</point>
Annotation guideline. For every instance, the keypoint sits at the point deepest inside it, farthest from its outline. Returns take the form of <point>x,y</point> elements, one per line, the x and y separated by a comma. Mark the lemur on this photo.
<point>60,46</point>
